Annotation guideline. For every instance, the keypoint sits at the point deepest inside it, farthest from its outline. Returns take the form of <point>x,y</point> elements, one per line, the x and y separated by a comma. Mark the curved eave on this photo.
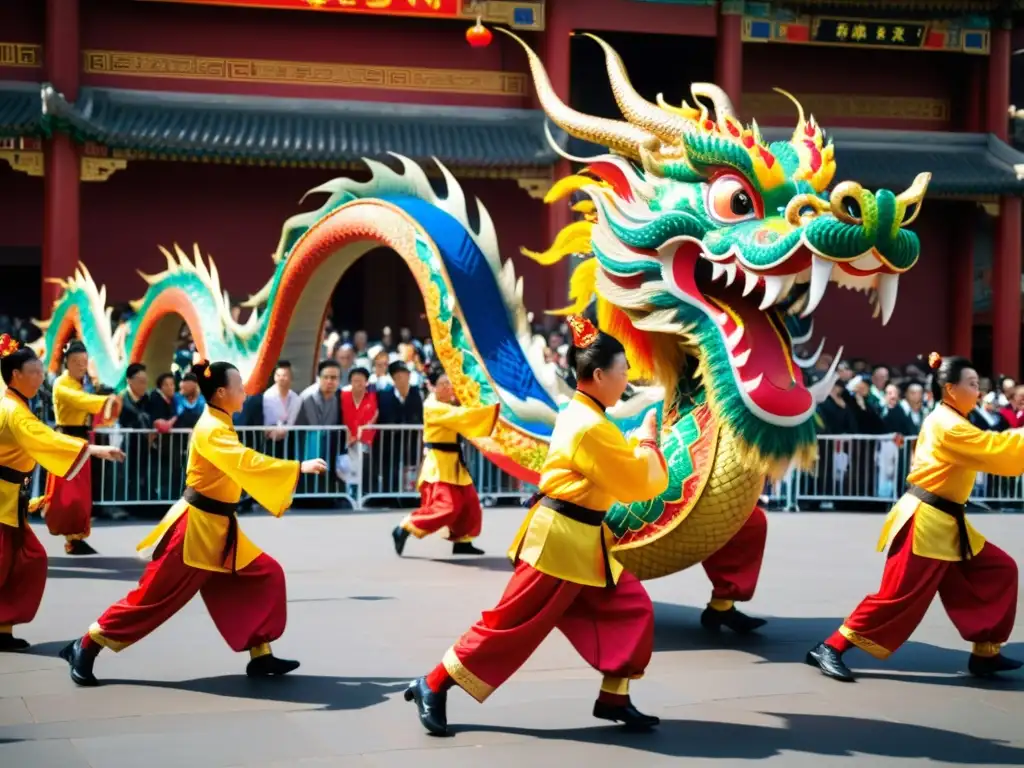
<point>20,112</point>
<point>300,130</point>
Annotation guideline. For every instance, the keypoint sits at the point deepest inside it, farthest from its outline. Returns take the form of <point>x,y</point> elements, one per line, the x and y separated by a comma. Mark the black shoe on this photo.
<point>399,536</point>
<point>433,707</point>
<point>11,644</point>
<point>987,666</point>
<point>79,547</point>
<point>735,620</point>
<point>830,662</point>
<point>270,666</point>
<point>465,548</point>
<point>80,662</point>
<point>630,717</point>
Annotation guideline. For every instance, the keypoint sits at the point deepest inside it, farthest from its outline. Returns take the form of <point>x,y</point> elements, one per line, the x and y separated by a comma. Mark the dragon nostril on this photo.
<point>852,206</point>
<point>808,210</point>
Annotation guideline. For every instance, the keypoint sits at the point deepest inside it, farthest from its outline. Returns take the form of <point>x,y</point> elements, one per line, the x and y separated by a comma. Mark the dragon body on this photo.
<point>705,252</point>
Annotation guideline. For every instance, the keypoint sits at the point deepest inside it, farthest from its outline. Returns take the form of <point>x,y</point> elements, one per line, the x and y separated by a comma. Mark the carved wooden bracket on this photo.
<point>535,187</point>
<point>24,161</point>
<point>101,168</point>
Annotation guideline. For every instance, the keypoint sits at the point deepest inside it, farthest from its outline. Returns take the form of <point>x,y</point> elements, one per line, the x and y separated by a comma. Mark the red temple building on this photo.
<point>128,124</point>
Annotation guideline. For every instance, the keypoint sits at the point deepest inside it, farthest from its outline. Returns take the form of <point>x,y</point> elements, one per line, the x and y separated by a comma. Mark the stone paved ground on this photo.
<point>363,623</point>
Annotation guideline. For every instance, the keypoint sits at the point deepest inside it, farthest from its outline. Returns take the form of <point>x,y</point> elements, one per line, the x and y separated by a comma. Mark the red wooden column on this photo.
<point>1006,278</point>
<point>555,54</point>
<point>1006,258</point>
<point>729,52</point>
<point>962,282</point>
<point>61,195</point>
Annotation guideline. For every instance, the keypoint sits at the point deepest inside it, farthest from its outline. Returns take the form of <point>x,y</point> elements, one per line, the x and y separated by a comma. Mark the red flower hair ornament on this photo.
<point>8,346</point>
<point>934,361</point>
<point>583,331</point>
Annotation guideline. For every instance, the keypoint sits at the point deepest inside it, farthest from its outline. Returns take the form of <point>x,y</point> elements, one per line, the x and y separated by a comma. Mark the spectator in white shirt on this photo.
<point>281,406</point>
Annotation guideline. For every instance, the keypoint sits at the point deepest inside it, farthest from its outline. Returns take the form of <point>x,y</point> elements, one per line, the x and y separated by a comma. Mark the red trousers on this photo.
<point>979,595</point>
<point>611,628</point>
<point>22,575</point>
<point>734,569</point>
<point>249,608</point>
<point>443,505</point>
<point>69,504</point>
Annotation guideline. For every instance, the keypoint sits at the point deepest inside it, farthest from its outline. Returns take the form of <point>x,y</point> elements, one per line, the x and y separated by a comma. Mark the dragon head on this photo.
<point>711,247</point>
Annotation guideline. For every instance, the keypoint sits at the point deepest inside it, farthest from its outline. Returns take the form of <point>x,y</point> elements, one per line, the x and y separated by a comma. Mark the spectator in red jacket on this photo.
<point>358,409</point>
<point>1014,412</point>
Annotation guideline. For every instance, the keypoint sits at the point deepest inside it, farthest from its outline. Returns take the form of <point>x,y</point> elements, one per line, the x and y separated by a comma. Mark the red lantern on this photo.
<point>478,35</point>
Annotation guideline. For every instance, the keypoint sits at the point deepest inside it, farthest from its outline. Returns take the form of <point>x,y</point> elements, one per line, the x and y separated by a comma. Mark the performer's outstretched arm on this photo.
<point>268,480</point>
<point>998,453</point>
<point>469,422</point>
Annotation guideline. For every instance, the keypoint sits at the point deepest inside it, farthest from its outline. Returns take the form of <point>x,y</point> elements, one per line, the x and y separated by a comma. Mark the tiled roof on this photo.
<point>20,109</point>
<point>300,130</point>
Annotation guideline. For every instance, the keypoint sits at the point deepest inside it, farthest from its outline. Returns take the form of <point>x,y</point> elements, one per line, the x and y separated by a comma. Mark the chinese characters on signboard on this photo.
<point>875,34</point>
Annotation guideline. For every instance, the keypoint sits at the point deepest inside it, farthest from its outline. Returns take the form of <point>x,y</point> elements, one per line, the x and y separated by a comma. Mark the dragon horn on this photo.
<point>718,98</point>
<point>619,136</point>
<point>635,108</point>
<point>798,134</point>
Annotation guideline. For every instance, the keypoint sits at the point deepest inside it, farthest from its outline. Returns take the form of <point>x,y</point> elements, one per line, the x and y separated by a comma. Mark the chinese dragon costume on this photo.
<point>704,250</point>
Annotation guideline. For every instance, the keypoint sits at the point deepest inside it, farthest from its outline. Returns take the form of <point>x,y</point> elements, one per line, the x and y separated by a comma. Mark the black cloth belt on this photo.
<point>449,448</point>
<point>951,508</point>
<point>81,431</point>
<point>575,512</point>
<point>20,479</point>
<point>222,509</point>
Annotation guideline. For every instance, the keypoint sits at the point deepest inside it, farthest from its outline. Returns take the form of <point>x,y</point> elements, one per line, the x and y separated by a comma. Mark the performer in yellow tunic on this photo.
<point>564,577</point>
<point>933,548</point>
<point>67,504</point>
<point>198,547</point>
<point>24,441</point>
<point>447,496</point>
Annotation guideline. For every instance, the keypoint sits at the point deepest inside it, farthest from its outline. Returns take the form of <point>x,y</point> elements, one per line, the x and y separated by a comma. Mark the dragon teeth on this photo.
<point>887,288</point>
<point>750,281</point>
<point>821,273</point>
<point>752,384</point>
<point>741,360</point>
<point>807,362</point>
<point>717,270</point>
<point>734,339</point>
<point>730,273</point>
<point>823,388</point>
<point>775,289</point>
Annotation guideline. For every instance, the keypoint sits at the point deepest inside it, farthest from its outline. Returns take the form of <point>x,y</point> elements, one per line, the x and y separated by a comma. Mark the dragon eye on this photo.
<point>730,200</point>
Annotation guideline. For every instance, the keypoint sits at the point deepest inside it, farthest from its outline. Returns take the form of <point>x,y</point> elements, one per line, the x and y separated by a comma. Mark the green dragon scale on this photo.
<point>706,250</point>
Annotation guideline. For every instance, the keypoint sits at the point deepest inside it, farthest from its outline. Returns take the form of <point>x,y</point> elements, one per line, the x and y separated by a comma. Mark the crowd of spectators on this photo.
<point>375,388</point>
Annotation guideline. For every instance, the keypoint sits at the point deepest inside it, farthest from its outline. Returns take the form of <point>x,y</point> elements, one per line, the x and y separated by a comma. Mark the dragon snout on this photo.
<point>880,213</point>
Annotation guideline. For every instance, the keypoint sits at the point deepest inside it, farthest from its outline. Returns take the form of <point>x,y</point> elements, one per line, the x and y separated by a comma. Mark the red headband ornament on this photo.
<point>8,346</point>
<point>583,331</point>
<point>934,361</point>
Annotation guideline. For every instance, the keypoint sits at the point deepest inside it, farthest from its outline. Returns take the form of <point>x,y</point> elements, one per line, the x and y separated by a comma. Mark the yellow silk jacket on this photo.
<point>219,467</point>
<point>443,423</point>
<point>72,405</point>
<point>26,441</point>
<point>589,463</point>
<point>950,452</point>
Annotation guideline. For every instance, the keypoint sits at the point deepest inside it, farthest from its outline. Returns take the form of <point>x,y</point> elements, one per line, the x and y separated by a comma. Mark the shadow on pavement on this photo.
<point>787,640</point>
<point>810,734</point>
<point>95,567</point>
<point>486,562</point>
<point>329,693</point>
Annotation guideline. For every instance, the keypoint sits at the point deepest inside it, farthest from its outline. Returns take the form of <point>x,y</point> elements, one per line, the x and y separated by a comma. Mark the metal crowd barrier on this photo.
<point>359,473</point>
<point>867,472</point>
<point>853,472</point>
